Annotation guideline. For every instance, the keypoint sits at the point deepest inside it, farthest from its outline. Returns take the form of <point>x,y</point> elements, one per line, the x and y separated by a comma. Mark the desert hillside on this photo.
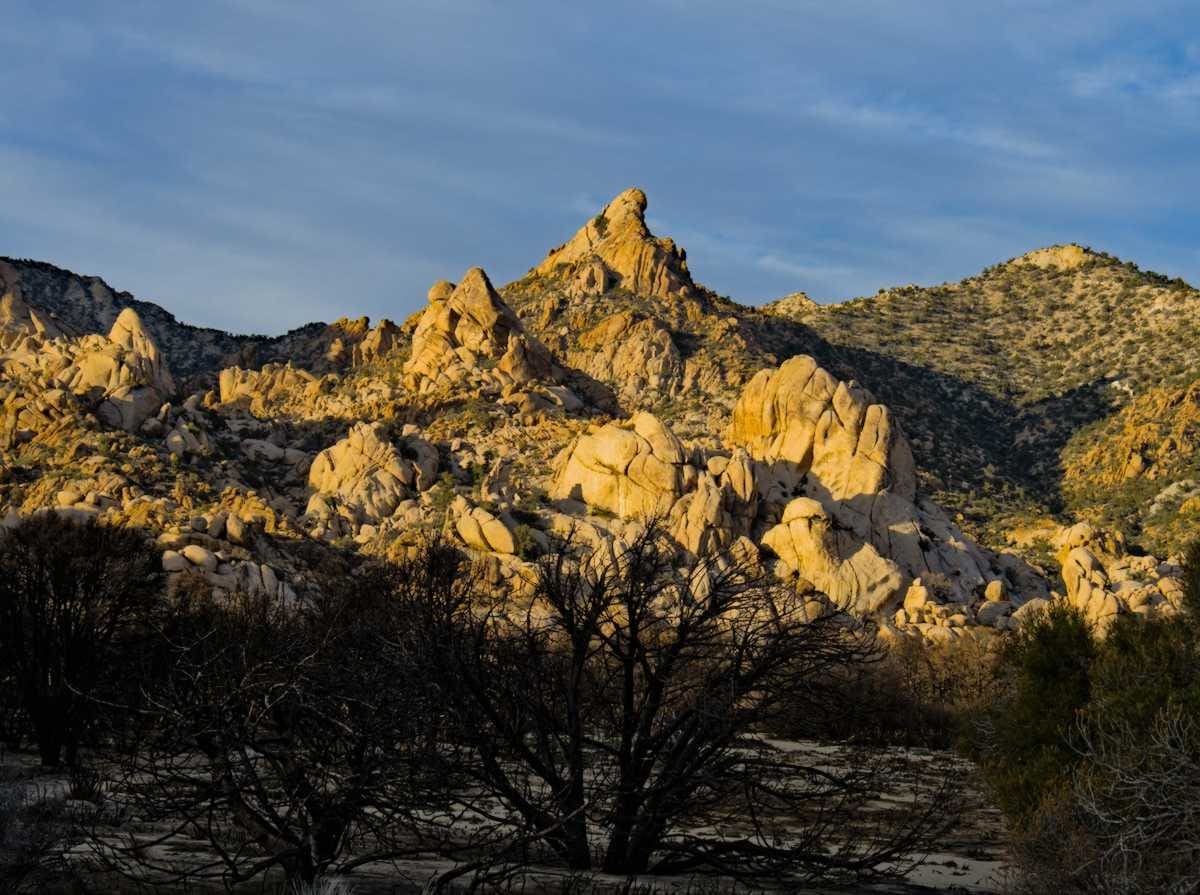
<point>1006,378</point>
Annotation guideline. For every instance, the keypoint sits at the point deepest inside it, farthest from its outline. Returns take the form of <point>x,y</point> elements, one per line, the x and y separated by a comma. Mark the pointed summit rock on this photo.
<point>795,305</point>
<point>464,325</point>
<point>617,248</point>
<point>142,356</point>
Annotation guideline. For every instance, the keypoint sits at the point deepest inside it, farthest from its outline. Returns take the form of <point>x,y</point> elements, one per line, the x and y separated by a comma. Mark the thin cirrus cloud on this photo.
<point>254,164</point>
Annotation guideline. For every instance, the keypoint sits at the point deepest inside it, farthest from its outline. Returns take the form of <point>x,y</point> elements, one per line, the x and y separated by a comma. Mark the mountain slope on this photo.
<point>996,376</point>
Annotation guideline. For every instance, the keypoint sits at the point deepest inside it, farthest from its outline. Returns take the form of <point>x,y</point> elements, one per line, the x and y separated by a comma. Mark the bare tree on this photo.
<point>277,738</point>
<point>1139,795</point>
<point>616,718</point>
<point>72,597</point>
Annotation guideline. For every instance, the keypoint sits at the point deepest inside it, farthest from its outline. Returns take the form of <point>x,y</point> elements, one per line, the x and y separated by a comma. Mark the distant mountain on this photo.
<point>86,304</point>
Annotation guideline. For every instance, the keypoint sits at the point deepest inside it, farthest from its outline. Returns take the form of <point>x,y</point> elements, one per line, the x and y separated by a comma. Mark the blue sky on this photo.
<point>254,164</point>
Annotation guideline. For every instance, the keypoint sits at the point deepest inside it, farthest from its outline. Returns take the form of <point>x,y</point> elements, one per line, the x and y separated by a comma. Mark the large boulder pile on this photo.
<point>1103,580</point>
<point>468,334</point>
<point>817,473</point>
<point>364,477</point>
<point>122,376</point>
<point>838,475</point>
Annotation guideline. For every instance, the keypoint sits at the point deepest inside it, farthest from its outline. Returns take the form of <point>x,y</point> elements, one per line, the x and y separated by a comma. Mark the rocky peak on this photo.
<point>142,354</point>
<point>467,328</point>
<point>617,248</point>
<point>1065,257</point>
<point>795,305</point>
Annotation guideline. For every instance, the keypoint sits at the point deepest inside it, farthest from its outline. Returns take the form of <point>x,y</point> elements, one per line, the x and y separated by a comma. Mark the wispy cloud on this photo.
<point>1143,79</point>
<point>803,270</point>
<point>915,124</point>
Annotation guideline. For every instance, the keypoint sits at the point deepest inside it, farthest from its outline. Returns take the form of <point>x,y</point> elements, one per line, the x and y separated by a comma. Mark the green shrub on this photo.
<point>1025,743</point>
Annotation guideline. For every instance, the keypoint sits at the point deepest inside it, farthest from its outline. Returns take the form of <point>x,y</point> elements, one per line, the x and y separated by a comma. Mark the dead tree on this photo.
<point>276,737</point>
<point>617,715</point>
<point>1138,794</point>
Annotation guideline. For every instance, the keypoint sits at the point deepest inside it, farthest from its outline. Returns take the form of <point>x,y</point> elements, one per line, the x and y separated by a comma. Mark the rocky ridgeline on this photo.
<point>603,390</point>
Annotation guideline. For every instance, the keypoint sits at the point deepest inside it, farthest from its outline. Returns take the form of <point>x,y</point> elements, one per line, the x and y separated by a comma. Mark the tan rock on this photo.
<point>617,246</point>
<point>633,468</point>
<point>803,421</point>
<point>635,355</point>
<point>482,530</point>
<point>147,365</point>
<point>827,440</point>
<point>200,556</point>
<point>380,341</point>
<point>458,331</point>
<point>365,476</point>
<point>916,596</point>
<point>850,572</point>
<point>124,372</point>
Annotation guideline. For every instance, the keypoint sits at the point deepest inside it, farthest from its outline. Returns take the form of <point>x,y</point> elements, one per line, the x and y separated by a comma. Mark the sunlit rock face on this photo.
<point>468,331</point>
<point>617,248</point>
<point>839,474</point>
<point>364,476</point>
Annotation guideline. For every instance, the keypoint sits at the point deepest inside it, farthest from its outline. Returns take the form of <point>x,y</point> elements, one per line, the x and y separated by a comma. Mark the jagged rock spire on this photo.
<point>616,247</point>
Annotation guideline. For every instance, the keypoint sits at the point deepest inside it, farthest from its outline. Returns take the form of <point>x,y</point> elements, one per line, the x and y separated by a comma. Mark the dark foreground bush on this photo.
<point>75,599</point>
<point>610,721</point>
<point>909,693</point>
<point>1093,751</point>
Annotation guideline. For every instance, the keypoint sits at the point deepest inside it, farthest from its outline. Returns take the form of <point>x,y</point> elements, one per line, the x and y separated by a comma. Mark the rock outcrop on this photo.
<point>839,474</point>
<point>379,342</point>
<point>122,375</point>
<point>467,332</point>
<point>364,477</point>
<point>1064,257</point>
<point>1103,581</point>
<point>796,306</point>
<point>617,248</point>
<point>825,435</point>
